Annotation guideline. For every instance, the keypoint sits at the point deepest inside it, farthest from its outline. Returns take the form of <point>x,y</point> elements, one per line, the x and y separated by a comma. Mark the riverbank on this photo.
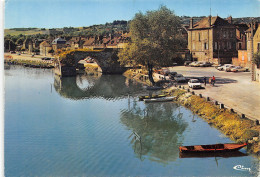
<point>27,61</point>
<point>228,122</point>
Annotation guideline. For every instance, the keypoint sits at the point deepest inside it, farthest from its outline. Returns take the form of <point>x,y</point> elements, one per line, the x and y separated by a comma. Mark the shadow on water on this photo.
<point>157,130</point>
<point>104,86</point>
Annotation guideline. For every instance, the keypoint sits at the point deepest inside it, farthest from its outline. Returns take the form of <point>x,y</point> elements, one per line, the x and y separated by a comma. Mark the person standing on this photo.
<point>213,80</point>
<point>205,80</point>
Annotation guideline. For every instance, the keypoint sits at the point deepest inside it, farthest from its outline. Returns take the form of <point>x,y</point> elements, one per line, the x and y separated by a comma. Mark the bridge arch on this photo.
<point>107,59</point>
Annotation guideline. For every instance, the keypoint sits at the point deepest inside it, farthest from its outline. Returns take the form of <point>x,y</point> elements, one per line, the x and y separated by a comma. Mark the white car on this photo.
<point>228,69</point>
<point>179,78</point>
<point>193,63</point>
<point>224,67</point>
<point>239,68</point>
<point>194,83</point>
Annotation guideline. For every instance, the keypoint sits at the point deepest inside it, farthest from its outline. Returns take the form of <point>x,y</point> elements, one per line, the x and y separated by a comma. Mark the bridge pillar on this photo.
<point>67,71</point>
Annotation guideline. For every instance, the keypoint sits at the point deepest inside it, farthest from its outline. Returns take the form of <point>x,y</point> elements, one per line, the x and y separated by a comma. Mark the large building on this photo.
<point>58,43</point>
<point>212,39</point>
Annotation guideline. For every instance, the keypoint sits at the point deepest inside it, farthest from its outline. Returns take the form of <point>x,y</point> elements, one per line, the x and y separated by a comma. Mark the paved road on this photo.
<point>236,90</point>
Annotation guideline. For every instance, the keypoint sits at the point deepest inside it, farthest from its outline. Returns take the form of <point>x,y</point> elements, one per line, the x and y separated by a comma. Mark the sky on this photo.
<point>77,13</point>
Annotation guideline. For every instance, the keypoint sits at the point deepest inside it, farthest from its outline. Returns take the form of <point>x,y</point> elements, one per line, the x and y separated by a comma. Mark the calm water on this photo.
<point>88,126</point>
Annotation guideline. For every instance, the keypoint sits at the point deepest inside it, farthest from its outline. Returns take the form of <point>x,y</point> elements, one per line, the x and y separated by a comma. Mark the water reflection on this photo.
<point>86,86</point>
<point>157,130</point>
<point>206,155</point>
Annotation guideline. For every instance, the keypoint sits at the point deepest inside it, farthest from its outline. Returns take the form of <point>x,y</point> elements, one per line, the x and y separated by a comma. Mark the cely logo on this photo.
<point>241,168</point>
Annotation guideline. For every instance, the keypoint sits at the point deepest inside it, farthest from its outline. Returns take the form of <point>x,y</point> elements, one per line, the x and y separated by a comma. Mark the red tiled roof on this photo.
<point>89,42</point>
<point>45,44</point>
<point>216,21</point>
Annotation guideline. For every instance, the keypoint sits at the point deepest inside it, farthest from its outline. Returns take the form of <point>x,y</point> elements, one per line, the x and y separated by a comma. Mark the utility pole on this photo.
<point>218,53</point>
<point>252,52</point>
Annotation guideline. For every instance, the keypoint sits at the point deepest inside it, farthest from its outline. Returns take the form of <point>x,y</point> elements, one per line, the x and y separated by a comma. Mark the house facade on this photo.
<point>58,43</point>
<point>45,47</point>
<point>212,39</point>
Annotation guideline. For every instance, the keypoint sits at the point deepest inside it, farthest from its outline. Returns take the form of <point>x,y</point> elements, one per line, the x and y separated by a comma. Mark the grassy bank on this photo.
<point>139,75</point>
<point>229,123</point>
<point>27,62</point>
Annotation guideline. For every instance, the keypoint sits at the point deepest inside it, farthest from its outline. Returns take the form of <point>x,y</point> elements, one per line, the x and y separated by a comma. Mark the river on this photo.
<point>95,126</point>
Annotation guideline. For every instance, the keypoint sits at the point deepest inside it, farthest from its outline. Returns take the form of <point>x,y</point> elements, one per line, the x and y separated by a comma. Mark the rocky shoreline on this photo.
<point>228,122</point>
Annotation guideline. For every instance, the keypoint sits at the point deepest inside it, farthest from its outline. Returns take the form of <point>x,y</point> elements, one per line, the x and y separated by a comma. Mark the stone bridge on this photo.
<point>67,62</point>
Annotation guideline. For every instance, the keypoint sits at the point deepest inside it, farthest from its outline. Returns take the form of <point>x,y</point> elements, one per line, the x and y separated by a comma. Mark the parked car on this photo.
<point>179,78</point>
<point>172,75</point>
<point>205,64</point>
<point>194,83</point>
<point>223,68</point>
<point>228,69</point>
<point>197,64</point>
<point>12,52</point>
<point>239,68</point>
<point>90,60</point>
<point>165,72</point>
<point>187,63</point>
<point>46,58</point>
<point>193,63</point>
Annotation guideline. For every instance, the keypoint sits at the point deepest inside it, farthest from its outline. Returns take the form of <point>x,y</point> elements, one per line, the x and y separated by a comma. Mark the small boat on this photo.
<point>163,99</point>
<point>141,98</point>
<point>212,148</point>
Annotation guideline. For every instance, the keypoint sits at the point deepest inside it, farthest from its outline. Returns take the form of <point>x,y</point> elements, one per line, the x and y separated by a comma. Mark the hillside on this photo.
<point>102,29</point>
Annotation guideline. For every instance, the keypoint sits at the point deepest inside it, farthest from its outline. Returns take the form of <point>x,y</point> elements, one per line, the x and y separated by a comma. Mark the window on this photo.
<point>193,46</point>
<point>239,45</point>
<point>224,34</point>
<point>229,45</point>
<point>243,57</point>
<point>199,36</point>
<point>258,47</point>
<point>216,45</point>
<point>205,45</point>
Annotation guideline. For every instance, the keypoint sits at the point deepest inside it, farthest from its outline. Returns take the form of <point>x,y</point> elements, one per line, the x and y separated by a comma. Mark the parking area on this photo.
<point>236,90</point>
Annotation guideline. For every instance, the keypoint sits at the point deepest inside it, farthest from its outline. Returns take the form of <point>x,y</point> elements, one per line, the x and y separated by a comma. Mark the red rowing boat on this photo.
<point>212,148</point>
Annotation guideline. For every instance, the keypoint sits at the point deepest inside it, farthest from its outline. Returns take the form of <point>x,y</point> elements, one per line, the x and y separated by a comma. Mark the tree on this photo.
<point>9,44</point>
<point>256,59</point>
<point>20,41</point>
<point>155,40</point>
<point>51,51</point>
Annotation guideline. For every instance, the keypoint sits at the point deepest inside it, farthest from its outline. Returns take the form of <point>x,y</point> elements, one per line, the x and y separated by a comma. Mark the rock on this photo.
<point>255,138</point>
<point>250,141</point>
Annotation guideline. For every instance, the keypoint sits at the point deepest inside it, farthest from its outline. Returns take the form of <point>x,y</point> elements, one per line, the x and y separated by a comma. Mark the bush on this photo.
<point>249,134</point>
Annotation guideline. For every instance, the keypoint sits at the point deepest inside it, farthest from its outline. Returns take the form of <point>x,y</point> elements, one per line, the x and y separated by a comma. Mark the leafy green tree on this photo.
<point>51,51</point>
<point>9,44</point>
<point>155,40</point>
<point>19,41</point>
<point>256,59</point>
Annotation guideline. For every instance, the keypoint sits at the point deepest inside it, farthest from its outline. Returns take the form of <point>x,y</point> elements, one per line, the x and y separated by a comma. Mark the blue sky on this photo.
<point>76,13</point>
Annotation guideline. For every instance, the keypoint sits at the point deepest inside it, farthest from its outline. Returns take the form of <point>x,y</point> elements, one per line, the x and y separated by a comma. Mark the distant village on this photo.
<point>212,39</point>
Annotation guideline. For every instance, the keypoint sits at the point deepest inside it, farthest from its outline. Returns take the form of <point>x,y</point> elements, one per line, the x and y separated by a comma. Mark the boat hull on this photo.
<point>216,148</point>
<point>164,99</point>
<point>141,98</point>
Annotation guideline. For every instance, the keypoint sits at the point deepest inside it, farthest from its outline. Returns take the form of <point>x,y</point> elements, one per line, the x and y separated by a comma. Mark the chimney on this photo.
<point>191,23</point>
<point>210,21</point>
<point>229,19</point>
